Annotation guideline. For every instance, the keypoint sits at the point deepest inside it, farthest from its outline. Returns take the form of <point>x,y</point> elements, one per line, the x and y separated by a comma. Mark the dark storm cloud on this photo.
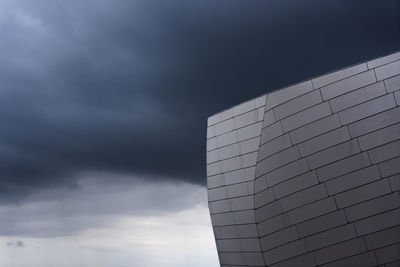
<point>126,86</point>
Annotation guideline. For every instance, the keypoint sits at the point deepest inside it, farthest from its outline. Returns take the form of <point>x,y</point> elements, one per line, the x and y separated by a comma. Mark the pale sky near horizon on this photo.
<point>89,227</point>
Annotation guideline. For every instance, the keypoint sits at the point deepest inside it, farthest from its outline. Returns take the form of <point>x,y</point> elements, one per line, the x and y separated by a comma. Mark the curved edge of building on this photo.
<point>309,175</point>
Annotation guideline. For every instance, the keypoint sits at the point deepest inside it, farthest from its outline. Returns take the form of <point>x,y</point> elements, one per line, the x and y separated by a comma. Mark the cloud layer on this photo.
<point>104,224</point>
<point>96,203</point>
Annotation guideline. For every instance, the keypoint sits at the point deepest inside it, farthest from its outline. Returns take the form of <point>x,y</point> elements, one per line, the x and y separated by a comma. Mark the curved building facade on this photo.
<point>309,175</point>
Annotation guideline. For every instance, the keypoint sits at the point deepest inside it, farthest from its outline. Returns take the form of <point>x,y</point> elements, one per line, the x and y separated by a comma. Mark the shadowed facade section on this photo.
<point>309,175</point>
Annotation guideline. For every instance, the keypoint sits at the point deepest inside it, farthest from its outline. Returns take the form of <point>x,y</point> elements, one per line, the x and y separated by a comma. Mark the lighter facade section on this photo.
<point>309,175</point>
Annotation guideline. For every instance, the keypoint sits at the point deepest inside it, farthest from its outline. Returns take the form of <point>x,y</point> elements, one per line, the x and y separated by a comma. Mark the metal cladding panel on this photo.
<point>309,175</point>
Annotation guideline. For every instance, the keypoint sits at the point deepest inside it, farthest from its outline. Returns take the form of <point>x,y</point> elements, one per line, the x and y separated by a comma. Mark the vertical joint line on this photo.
<point>384,85</point>
<point>312,84</point>
<point>337,208</point>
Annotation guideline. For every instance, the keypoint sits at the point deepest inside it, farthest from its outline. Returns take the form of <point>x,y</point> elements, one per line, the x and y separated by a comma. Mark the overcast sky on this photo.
<point>103,108</point>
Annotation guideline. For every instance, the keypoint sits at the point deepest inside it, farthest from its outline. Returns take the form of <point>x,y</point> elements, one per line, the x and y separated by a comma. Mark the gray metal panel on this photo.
<point>321,223</point>
<point>225,126</point>
<point>390,167</point>
<point>281,96</point>
<point>227,114</point>
<point>306,260</point>
<point>244,107</point>
<point>298,104</point>
<point>230,245</point>
<point>239,176</point>
<point>339,251</point>
<point>212,156</point>
<point>332,154</point>
<point>367,109</point>
<point>237,190</point>
<point>223,219</point>
<point>383,238</point>
<point>245,217</point>
<point>268,118</point>
<point>249,159</point>
<point>230,258</point>
<point>348,84</point>
<point>323,141</point>
<point>264,197</point>
<point>210,132</point>
<point>393,84</point>
<point>274,146</point>
<point>277,160</point>
<point>220,206</point>
<point>226,232</point>
<point>395,182</point>
<point>343,166</point>
<point>358,96</point>
<point>250,244</point>
<point>380,137</point>
<point>314,129</point>
<point>383,60</point>
<point>339,75</point>
<point>268,211</point>
<point>250,131</point>
<point>363,193</point>
<point>222,140</point>
<point>228,151</point>
<point>330,237</point>
<point>378,222</point>
<point>312,210</point>
<point>261,101</point>
<point>375,122</point>
<point>274,224</point>
<point>285,252</point>
<point>272,131</point>
<point>231,164</point>
<point>362,260</point>
<point>352,180</point>
<point>247,230</point>
<point>286,172</point>
<point>217,193</point>
<point>260,184</point>
<point>303,197</point>
<point>242,203</point>
<point>247,118</point>
<point>215,181</point>
<point>295,184</point>
<point>385,152</point>
<point>393,264</point>
<point>388,70</point>
<point>279,238</point>
<point>388,254</point>
<point>254,259</point>
<point>250,145</point>
<point>306,116</point>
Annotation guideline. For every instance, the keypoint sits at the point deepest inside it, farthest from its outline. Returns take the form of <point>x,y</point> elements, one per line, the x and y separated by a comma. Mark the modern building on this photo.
<point>309,175</point>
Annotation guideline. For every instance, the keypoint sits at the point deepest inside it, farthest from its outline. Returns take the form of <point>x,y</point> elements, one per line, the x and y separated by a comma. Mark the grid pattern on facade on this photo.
<point>309,175</point>
<point>232,150</point>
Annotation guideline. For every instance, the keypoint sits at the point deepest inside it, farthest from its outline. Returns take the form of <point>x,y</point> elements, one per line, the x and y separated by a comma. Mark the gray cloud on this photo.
<point>18,244</point>
<point>96,202</point>
<point>117,222</point>
<point>125,87</point>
